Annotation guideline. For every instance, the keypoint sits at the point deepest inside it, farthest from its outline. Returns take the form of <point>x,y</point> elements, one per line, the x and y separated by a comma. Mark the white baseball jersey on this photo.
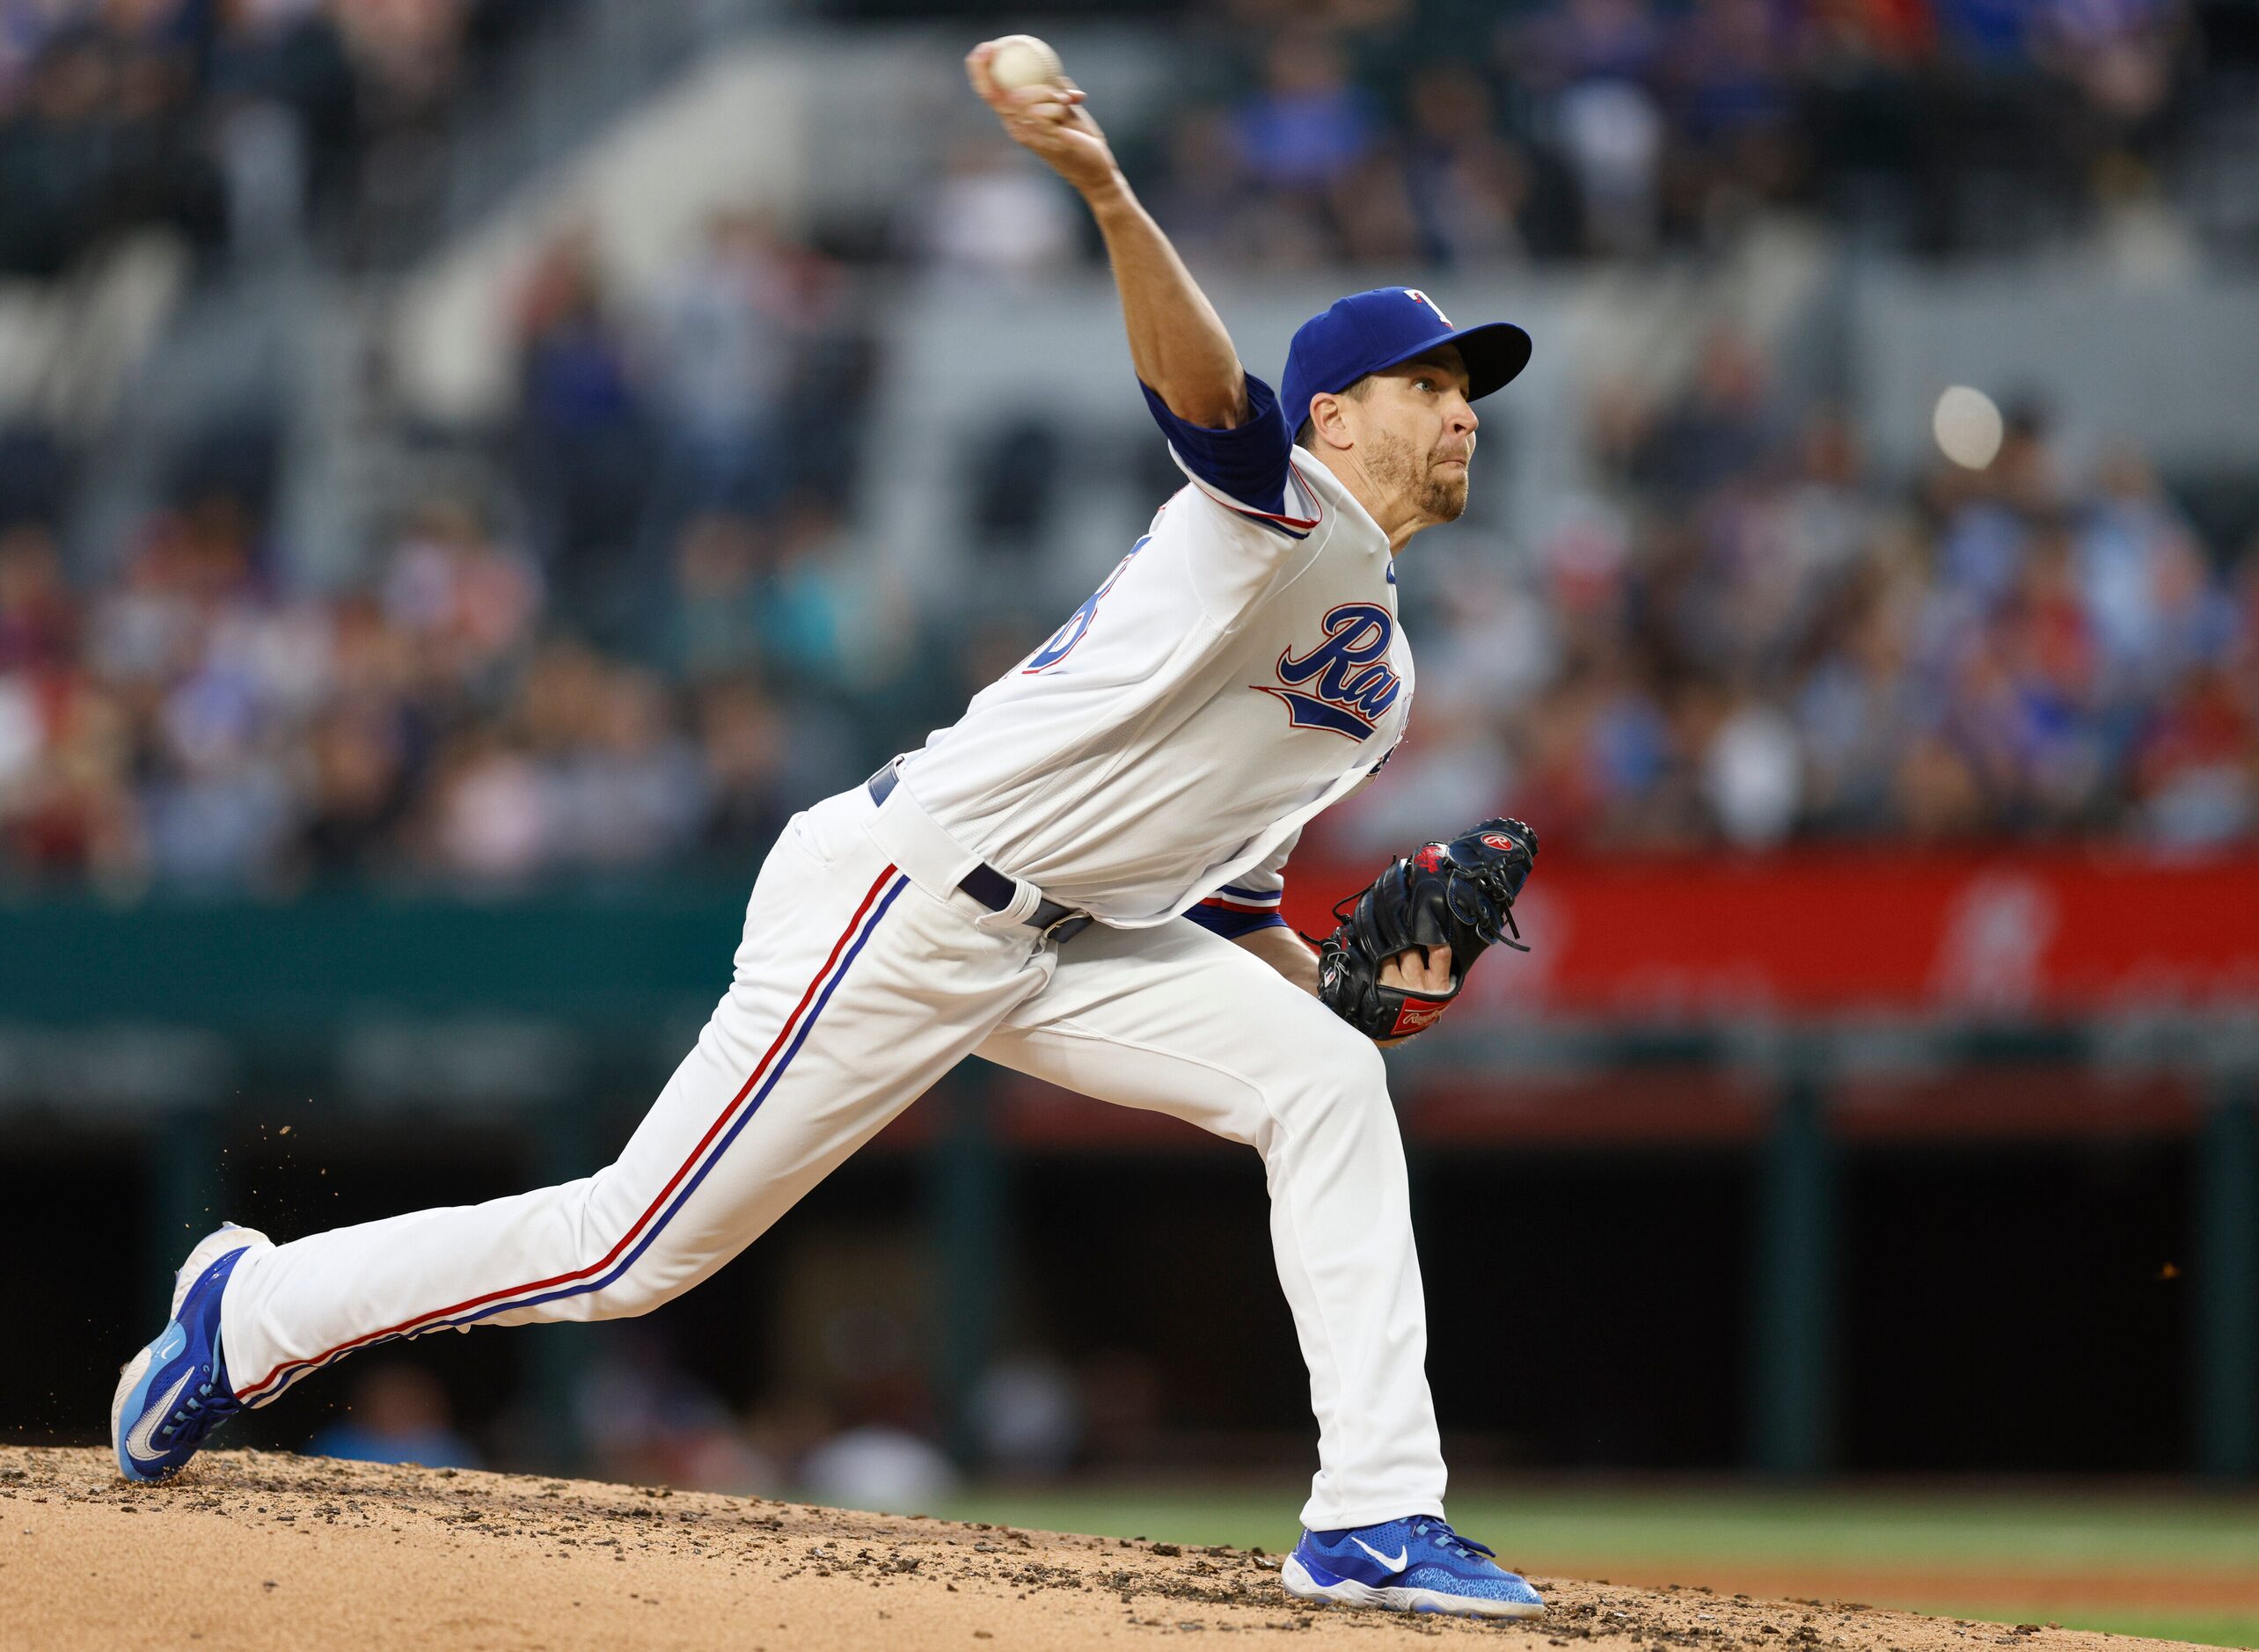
<point>1239,670</point>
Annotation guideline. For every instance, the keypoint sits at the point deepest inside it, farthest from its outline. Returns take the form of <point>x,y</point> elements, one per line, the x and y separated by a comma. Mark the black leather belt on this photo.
<point>991,888</point>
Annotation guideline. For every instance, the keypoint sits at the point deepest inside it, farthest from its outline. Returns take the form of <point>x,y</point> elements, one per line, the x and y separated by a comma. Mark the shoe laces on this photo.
<point>1450,1541</point>
<point>202,1399</point>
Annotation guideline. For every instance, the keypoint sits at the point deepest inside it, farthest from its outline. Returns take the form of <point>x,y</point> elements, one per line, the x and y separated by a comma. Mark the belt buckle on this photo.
<point>1078,921</point>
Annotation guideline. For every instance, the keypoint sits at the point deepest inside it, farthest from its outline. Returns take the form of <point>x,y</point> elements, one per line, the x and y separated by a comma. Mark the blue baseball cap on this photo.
<point>1368,330</point>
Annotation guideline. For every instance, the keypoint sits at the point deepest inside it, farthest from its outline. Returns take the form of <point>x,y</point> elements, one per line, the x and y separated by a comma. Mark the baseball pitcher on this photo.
<point>1079,878</point>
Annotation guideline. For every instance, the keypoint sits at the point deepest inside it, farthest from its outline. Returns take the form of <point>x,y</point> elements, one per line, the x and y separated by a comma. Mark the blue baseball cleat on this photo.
<point>175,1391</point>
<point>1417,1564</point>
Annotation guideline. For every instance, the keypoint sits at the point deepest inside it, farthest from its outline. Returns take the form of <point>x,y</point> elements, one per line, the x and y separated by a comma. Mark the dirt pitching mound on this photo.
<point>249,1549</point>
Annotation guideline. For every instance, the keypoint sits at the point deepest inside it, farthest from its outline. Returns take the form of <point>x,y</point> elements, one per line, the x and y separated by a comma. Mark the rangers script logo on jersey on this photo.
<point>1344,684</point>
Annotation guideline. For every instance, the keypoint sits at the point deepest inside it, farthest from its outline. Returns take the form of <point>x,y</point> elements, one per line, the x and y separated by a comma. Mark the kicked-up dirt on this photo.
<point>255,1550</point>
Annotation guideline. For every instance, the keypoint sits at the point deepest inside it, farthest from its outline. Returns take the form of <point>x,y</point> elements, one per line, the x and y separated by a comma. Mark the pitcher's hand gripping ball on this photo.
<point>1459,895</point>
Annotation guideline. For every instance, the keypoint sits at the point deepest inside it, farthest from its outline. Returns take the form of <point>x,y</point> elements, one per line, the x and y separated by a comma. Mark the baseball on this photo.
<point>1021,60</point>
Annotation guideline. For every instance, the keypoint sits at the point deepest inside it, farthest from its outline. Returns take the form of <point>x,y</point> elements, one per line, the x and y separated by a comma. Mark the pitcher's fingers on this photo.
<point>977,70</point>
<point>1420,969</point>
<point>1041,107</point>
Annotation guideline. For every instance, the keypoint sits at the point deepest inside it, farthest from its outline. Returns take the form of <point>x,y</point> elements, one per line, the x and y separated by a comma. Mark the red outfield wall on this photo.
<point>2048,934</point>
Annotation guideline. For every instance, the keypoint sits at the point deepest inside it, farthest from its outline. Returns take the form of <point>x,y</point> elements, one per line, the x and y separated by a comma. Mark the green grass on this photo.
<point>1587,1530</point>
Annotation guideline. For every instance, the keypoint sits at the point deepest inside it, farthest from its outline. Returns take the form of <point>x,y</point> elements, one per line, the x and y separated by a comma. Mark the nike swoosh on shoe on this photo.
<point>139,1442</point>
<point>1395,1565</point>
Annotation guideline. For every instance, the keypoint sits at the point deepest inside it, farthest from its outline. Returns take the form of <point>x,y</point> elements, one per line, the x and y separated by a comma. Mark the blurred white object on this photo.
<point>495,819</point>
<point>262,150</point>
<point>1995,942</point>
<point>990,218</point>
<point>1028,1418</point>
<point>724,334</point>
<point>1021,60</point>
<point>1753,775</point>
<point>1967,425</point>
<point>878,1468</point>
<point>1613,134</point>
<point>22,736</point>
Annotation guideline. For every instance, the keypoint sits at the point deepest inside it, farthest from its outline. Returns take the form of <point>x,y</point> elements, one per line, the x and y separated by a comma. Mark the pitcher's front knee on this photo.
<point>646,1285</point>
<point>642,1277</point>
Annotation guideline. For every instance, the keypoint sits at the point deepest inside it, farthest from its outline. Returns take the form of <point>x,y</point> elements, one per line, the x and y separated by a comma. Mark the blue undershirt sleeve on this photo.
<point>1248,462</point>
<point>1250,904</point>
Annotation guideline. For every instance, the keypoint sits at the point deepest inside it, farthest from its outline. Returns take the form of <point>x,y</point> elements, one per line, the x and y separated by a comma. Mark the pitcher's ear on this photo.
<point>1328,424</point>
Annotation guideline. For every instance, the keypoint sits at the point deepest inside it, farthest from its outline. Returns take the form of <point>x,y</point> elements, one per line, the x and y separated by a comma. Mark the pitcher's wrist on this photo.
<point>1109,194</point>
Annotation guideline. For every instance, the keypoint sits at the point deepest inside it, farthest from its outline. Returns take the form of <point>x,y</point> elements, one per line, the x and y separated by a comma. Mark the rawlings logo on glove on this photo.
<point>1458,894</point>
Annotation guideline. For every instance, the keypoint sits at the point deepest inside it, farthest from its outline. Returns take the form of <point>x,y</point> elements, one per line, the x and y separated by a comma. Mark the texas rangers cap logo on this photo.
<point>1419,297</point>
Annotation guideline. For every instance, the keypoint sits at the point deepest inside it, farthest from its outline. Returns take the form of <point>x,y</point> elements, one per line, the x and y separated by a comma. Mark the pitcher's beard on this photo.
<point>1443,496</point>
<point>1437,495</point>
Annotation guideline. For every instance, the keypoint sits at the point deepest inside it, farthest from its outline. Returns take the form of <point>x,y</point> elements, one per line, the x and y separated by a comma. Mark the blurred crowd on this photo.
<point>645,631</point>
<point>1453,132</point>
<point>1442,132</point>
<point>644,644</point>
<point>224,119</point>
<point>194,724</point>
<point>1741,638</point>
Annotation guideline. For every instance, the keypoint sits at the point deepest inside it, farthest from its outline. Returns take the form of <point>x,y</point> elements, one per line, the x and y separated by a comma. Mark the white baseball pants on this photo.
<point>864,977</point>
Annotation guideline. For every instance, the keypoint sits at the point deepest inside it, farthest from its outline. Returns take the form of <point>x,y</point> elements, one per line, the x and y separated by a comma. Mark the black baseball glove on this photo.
<point>1459,895</point>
